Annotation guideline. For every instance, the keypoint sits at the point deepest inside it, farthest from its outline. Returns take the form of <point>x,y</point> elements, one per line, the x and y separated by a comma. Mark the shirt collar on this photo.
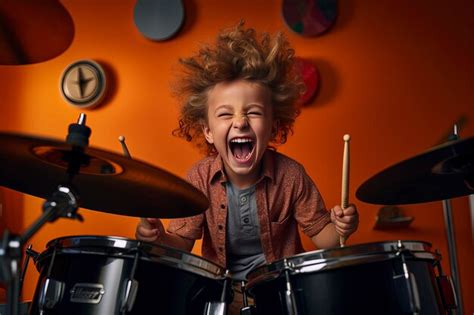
<point>217,167</point>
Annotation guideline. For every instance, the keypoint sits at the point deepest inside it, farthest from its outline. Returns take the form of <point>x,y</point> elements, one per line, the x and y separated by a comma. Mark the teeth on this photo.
<point>240,140</point>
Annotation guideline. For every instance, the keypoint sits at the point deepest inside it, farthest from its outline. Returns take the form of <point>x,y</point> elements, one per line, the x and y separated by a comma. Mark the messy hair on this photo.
<point>238,54</point>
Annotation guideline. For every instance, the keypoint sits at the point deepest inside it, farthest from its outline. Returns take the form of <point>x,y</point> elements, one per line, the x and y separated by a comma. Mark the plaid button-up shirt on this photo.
<point>286,197</point>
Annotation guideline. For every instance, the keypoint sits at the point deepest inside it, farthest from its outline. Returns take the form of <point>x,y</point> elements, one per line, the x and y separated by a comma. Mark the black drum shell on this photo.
<point>358,288</point>
<point>162,288</point>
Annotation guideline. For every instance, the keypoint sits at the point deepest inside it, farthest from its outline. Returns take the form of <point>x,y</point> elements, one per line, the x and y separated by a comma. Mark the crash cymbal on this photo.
<point>105,181</point>
<point>443,172</point>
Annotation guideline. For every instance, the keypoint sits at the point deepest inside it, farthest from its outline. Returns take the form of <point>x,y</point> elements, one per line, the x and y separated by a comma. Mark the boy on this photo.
<point>239,97</point>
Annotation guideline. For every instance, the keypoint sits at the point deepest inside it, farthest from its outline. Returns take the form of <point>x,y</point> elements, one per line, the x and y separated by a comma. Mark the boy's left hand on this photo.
<point>345,220</point>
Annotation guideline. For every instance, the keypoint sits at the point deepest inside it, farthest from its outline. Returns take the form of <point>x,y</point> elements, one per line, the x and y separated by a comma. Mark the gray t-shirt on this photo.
<point>244,250</point>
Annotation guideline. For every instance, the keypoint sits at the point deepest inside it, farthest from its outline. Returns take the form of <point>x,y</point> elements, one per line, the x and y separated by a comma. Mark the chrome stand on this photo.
<point>453,261</point>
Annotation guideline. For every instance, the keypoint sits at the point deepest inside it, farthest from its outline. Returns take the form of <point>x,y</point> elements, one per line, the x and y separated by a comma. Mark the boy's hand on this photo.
<point>150,230</point>
<point>346,220</point>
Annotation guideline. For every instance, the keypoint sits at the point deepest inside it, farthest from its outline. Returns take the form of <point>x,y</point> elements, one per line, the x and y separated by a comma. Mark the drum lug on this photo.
<point>290,301</point>
<point>406,287</point>
<point>51,293</point>
<point>131,287</point>
<point>220,307</point>
<point>446,288</point>
<point>129,297</point>
<point>447,292</point>
<point>246,309</point>
<point>215,308</point>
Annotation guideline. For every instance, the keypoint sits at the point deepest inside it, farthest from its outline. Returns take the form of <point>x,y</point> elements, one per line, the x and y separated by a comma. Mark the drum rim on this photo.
<point>166,255</point>
<point>326,259</point>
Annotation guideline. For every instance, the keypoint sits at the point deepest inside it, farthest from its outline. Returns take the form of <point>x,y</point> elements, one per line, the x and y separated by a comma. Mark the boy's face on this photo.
<point>240,125</point>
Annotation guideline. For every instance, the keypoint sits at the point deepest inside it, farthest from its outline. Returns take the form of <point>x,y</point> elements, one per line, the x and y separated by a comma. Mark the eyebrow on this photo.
<point>223,107</point>
<point>254,105</point>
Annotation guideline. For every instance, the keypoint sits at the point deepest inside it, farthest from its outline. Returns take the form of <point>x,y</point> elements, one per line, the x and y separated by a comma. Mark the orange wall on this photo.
<point>395,75</point>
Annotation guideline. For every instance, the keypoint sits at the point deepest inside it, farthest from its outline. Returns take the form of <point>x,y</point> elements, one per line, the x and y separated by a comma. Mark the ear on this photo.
<point>207,134</point>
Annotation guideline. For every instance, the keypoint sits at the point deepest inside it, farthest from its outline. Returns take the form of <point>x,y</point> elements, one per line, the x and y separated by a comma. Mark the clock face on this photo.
<point>83,83</point>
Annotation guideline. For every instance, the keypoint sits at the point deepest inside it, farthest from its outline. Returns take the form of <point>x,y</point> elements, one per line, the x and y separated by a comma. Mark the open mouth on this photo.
<point>241,148</point>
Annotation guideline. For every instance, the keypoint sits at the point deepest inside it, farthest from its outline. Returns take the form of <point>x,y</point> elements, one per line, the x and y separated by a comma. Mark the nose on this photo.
<point>241,122</point>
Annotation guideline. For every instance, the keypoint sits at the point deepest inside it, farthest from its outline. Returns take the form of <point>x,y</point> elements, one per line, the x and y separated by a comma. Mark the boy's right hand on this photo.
<point>150,230</point>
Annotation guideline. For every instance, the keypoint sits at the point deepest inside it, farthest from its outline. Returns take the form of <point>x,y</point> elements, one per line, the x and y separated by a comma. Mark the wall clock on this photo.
<point>83,84</point>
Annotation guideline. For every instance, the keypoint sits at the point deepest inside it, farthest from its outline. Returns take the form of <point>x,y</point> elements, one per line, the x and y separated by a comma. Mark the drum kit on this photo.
<point>114,275</point>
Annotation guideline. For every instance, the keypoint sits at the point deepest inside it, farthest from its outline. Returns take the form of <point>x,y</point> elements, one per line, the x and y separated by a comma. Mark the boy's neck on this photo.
<point>244,181</point>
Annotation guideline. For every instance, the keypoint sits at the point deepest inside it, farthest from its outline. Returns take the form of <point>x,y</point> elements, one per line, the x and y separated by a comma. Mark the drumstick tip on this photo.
<point>121,138</point>
<point>346,137</point>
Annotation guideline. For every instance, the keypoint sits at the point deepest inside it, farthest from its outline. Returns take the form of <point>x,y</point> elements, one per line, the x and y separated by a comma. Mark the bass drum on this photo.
<point>113,275</point>
<point>395,277</point>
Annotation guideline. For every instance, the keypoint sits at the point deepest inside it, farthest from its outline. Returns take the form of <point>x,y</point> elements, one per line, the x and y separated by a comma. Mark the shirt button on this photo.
<point>221,249</point>
<point>220,227</point>
<point>246,220</point>
<point>222,206</point>
<point>243,199</point>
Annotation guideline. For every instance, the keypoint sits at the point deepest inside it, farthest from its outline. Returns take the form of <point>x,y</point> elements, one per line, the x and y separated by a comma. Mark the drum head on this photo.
<point>334,258</point>
<point>114,246</point>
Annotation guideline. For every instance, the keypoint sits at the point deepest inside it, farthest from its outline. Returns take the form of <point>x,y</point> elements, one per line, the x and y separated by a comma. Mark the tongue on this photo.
<point>241,150</point>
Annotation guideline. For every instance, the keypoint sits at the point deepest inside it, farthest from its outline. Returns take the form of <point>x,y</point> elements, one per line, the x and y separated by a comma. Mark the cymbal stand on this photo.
<point>62,203</point>
<point>453,261</point>
<point>449,226</point>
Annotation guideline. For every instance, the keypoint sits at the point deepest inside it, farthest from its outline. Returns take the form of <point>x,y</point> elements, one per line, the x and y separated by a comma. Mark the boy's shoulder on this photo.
<point>281,159</point>
<point>205,163</point>
<point>205,168</point>
<point>283,163</point>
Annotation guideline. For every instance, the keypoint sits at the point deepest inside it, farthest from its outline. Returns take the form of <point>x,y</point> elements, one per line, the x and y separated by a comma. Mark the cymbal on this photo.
<point>106,181</point>
<point>443,172</point>
<point>26,29</point>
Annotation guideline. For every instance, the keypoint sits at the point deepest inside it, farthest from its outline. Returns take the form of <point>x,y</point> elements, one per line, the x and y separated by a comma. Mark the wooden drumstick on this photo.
<point>345,180</point>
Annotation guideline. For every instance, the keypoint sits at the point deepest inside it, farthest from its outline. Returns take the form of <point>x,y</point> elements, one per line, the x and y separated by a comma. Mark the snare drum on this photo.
<point>113,275</point>
<point>376,278</point>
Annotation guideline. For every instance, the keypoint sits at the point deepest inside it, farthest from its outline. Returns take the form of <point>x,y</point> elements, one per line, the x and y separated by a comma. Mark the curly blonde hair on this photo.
<point>238,53</point>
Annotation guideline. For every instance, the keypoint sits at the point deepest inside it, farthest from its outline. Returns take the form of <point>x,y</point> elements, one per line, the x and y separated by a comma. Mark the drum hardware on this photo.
<point>114,275</point>
<point>40,166</point>
<point>446,288</point>
<point>363,276</point>
<point>246,309</point>
<point>131,288</point>
<point>220,307</point>
<point>468,167</point>
<point>30,253</point>
<point>453,257</point>
<point>10,257</point>
<point>61,204</point>
<point>405,284</point>
<point>290,302</point>
<point>439,174</point>
<point>51,290</point>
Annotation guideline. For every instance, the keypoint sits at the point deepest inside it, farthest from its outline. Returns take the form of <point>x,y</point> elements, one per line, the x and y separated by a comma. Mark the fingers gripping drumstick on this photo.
<point>345,181</point>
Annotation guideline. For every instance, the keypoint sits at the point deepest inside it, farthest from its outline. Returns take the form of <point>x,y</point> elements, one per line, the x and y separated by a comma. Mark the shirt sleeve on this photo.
<point>309,207</point>
<point>189,227</point>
